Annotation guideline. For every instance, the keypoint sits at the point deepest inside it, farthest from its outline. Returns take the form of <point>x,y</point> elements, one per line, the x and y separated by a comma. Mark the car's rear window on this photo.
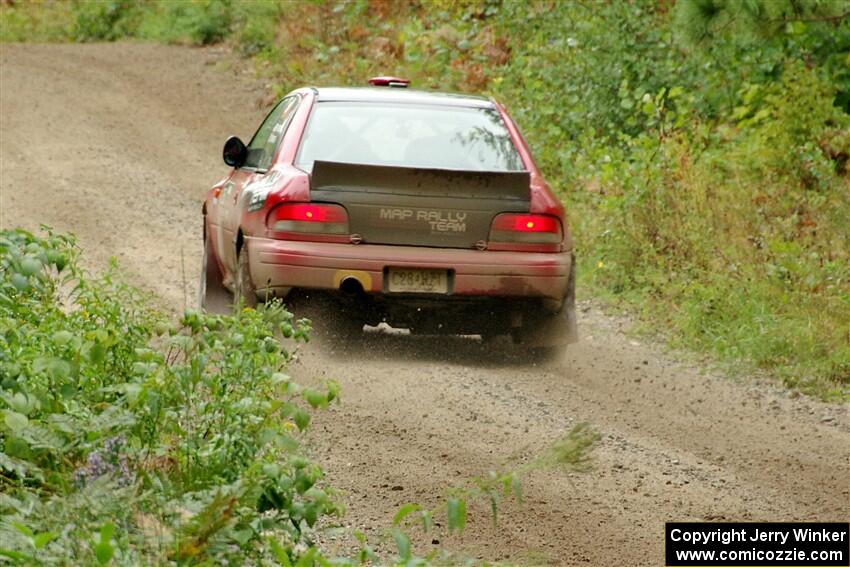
<point>408,135</point>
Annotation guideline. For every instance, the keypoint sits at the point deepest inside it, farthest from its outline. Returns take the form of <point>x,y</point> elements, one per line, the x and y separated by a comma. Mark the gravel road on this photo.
<point>117,144</point>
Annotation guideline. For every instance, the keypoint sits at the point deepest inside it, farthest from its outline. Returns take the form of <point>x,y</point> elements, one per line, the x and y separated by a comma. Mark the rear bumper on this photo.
<point>279,265</point>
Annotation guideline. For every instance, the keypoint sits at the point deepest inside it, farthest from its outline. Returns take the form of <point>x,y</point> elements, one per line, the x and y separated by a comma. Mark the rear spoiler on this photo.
<point>331,176</point>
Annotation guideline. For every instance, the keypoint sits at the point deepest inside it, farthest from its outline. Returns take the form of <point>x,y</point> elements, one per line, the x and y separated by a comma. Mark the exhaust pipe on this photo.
<point>351,286</point>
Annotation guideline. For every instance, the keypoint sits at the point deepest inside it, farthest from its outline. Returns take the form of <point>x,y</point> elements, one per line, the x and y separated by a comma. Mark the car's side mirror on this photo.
<point>235,152</point>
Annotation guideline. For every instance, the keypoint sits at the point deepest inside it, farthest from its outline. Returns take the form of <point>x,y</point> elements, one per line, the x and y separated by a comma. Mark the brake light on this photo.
<point>313,218</point>
<point>526,228</point>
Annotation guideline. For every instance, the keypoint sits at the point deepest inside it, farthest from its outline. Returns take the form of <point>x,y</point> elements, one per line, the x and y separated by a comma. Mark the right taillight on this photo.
<point>309,218</point>
<point>526,228</point>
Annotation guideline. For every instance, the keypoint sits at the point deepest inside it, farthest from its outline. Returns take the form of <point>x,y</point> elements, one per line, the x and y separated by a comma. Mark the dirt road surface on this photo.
<point>117,143</point>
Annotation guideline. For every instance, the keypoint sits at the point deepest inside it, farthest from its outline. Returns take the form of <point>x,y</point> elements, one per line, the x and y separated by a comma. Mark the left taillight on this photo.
<point>309,218</point>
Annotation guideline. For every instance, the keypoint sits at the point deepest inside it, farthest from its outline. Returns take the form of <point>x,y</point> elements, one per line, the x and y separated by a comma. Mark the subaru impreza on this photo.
<point>419,209</point>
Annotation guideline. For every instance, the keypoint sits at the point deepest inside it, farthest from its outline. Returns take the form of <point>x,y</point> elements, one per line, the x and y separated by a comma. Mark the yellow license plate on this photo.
<point>418,280</point>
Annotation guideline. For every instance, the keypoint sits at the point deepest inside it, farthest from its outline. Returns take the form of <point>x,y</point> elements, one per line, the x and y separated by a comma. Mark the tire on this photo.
<point>245,294</point>
<point>212,295</point>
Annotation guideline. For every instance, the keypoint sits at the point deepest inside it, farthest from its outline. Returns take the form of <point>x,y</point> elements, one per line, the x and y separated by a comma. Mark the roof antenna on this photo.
<point>394,82</point>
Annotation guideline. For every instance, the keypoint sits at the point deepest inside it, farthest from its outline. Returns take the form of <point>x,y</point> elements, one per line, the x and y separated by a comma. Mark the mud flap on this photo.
<point>212,295</point>
<point>553,331</point>
<point>556,329</point>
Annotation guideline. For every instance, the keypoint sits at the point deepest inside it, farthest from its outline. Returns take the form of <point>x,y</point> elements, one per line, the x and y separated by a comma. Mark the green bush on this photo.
<point>51,21</point>
<point>196,22</point>
<point>126,436</point>
<point>255,26</point>
<point>738,236</point>
<point>209,21</point>
<point>106,20</point>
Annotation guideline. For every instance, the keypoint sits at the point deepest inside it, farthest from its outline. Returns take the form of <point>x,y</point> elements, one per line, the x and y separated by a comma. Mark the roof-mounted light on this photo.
<point>395,82</point>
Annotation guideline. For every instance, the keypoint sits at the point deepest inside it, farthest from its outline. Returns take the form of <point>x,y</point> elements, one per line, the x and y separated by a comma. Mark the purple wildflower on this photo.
<point>106,461</point>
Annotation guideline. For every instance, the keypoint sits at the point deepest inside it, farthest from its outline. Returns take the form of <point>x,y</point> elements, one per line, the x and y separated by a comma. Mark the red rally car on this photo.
<point>420,209</point>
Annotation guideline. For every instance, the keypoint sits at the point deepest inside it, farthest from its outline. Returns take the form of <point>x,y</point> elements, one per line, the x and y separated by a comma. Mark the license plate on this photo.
<point>418,280</point>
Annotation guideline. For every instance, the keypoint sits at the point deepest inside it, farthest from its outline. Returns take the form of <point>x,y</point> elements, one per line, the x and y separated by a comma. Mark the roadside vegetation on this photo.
<point>127,438</point>
<point>701,146</point>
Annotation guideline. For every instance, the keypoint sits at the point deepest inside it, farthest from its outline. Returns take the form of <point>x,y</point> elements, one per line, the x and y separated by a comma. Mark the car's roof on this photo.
<point>399,95</point>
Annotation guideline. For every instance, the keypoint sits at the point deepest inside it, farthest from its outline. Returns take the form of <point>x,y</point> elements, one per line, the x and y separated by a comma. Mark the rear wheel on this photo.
<point>245,294</point>
<point>212,295</point>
